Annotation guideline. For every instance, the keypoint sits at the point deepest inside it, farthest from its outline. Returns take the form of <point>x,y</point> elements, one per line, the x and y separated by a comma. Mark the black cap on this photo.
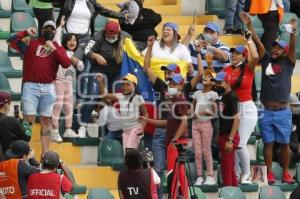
<point>18,149</point>
<point>51,158</point>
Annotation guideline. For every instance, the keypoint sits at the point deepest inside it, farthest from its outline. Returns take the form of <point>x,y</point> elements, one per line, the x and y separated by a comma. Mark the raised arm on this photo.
<point>260,47</point>
<point>187,39</point>
<point>102,90</point>
<point>108,13</point>
<point>20,40</point>
<point>197,77</point>
<point>57,37</point>
<point>292,45</point>
<point>147,60</point>
<point>253,57</point>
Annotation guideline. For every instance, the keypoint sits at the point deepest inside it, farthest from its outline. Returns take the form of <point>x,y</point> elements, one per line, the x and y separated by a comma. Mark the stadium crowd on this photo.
<point>204,96</point>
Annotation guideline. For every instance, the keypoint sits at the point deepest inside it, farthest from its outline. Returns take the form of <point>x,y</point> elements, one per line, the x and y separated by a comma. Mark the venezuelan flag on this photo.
<point>133,62</point>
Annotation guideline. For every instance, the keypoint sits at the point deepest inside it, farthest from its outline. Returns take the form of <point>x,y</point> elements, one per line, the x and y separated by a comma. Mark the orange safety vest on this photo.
<point>9,183</point>
<point>263,7</point>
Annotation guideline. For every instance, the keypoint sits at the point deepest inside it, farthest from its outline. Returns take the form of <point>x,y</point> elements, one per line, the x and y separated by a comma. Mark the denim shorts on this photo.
<point>38,99</point>
<point>276,126</point>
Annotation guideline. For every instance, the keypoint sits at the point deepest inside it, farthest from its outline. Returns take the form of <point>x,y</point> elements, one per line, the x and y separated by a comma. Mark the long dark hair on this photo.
<point>67,37</point>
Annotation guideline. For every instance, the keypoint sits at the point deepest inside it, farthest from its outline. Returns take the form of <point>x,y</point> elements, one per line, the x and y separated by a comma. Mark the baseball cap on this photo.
<point>4,98</point>
<point>221,76</point>
<point>174,27</point>
<point>49,23</point>
<point>213,26</point>
<point>294,100</point>
<point>18,149</point>
<point>281,44</point>
<point>177,78</point>
<point>130,77</point>
<point>240,49</point>
<point>50,158</point>
<point>112,28</point>
<point>171,67</point>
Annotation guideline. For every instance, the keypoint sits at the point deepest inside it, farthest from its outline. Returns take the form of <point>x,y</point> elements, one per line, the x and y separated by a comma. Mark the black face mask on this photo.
<point>220,90</point>
<point>48,35</point>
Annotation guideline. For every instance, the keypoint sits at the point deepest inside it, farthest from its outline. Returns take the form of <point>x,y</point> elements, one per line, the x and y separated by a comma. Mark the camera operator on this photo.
<point>136,182</point>
<point>16,169</point>
<point>11,128</point>
<point>48,183</point>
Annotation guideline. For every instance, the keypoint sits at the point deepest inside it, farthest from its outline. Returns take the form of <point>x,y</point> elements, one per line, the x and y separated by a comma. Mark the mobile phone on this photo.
<point>16,111</point>
<point>247,35</point>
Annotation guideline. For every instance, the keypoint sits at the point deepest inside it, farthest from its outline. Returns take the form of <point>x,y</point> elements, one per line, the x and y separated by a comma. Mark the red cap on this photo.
<point>112,28</point>
<point>4,98</point>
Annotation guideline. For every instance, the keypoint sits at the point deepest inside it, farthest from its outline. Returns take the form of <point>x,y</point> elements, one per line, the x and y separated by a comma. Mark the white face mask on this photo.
<point>110,40</point>
<point>172,91</point>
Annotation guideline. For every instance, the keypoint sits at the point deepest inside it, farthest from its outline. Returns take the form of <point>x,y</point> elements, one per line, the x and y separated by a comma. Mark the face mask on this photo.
<point>212,39</point>
<point>110,40</point>
<point>172,91</point>
<point>48,35</point>
<point>238,64</point>
<point>220,90</point>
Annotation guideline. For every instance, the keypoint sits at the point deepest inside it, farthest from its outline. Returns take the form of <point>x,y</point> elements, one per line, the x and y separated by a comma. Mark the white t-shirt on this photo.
<point>109,116</point>
<point>129,112</point>
<point>180,53</point>
<point>204,103</point>
<point>79,20</point>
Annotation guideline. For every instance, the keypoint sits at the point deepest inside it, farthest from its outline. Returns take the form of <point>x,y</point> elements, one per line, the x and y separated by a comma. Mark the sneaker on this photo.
<point>287,178</point>
<point>271,178</point>
<point>238,31</point>
<point>210,180</point>
<point>55,136</point>
<point>246,179</point>
<point>228,31</point>
<point>199,181</point>
<point>69,133</point>
<point>82,132</point>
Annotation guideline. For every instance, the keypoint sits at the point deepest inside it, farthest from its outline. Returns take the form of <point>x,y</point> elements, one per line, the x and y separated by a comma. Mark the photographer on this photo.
<point>11,129</point>
<point>136,182</point>
<point>48,183</point>
<point>17,169</point>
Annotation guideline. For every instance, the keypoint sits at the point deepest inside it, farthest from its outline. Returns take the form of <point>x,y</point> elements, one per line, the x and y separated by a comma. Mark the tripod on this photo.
<point>182,177</point>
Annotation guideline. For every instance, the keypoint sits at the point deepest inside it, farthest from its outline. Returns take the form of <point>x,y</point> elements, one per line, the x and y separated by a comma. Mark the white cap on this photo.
<point>294,99</point>
<point>49,23</point>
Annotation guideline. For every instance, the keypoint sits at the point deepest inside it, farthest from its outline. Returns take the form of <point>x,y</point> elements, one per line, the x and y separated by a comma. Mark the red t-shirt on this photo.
<point>47,186</point>
<point>150,128</point>
<point>244,92</point>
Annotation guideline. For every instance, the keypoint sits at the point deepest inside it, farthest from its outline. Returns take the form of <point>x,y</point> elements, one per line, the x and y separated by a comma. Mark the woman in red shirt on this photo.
<point>241,76</point>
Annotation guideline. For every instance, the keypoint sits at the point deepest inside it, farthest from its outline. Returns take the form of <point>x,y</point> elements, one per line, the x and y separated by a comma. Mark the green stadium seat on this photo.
<point>21,21</point>
<point>216,7</point>
<point>100,22</point>
<point>257,25</point>
<point>110,153</point>
<point>77,189</point>
<point>231,193</point>
<point>4,86</point>
<point>99,193</point>
<point>4,34</point>
<point>248,187</point>
<point>6,66</point>
<point>88,141</point>
<point>271,192</point>
<point>20,6</point>
<point>260,152</point>
<point>252,140</point>
<point>4,13</point>
<point>297,176</point>
<point>277,170</point>
<point>199,193</point>
<point>164,183</point>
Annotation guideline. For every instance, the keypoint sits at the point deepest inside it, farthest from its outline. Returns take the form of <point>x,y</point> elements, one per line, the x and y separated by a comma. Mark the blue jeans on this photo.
<point>82,80</point>
<point>287,5</point>
<point>232,18</point>
<point>114,135</point>
<point>276,126</point>
<point>93,93</point>
<point>38,99</point>
<point>148,139</point>
<point>159,155</point>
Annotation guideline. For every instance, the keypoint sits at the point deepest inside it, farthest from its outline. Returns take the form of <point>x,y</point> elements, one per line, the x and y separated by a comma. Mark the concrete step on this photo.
<point>94,176</point>
<point>114,192</point>
<point>163,10</point>
<point>188,20</point>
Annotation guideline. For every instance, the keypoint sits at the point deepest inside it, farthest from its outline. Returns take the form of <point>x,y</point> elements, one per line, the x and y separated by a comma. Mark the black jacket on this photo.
<point>144,26</point>
<point>67,6</point>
